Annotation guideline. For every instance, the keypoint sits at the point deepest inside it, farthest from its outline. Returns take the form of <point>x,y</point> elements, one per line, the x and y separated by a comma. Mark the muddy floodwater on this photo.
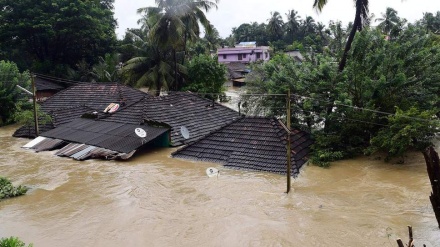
<point>154,200</point>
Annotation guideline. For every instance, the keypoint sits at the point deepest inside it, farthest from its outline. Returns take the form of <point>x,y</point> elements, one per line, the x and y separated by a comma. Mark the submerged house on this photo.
<point>79,121</point>
<point>79,99</point>
<point>112,121</point>
<point>237,73</point>
<point>251,143</point>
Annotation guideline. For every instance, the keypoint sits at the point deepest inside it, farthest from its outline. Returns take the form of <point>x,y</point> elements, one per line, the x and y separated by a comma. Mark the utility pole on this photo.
<point>34,96</point>
<point>34,99</point>
<point>289,153</point>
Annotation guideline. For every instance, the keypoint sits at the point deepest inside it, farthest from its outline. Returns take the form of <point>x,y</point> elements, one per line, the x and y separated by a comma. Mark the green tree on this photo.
<point>24,114</point>
<point>13,242</point>
<point>54,35</point>
<point>107,69</point>
<point>337,35</point>
<point>360,20</point>
<point>154,68</point>
<point>432,22</point>
<point>308,26</point>
<point>275,26</point>
<point>171,24</point>
<point>212,39</point>
<point>411,128</point>
<point>243,33</point>
<point>382,93</point>
<point>206,76</point>
<point>388,21</point>
<point>250,32</point>
<point>292,25</point>
<point>8,190</point>
<point>10,77</point>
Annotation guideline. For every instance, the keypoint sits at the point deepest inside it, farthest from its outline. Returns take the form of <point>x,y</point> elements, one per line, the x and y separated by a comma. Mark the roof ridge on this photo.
<point>210,133</point>
<point>202,98</point>
<point>106,116</point>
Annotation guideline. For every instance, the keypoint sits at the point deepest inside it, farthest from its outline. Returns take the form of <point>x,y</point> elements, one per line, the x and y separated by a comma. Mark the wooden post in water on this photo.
<point>34,96</point>
<point>289,153</point>
<point>433,167</point>
<point>411,239</point>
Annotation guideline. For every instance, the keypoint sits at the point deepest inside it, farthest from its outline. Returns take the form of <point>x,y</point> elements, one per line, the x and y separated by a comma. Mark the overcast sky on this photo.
<point>232,13</point>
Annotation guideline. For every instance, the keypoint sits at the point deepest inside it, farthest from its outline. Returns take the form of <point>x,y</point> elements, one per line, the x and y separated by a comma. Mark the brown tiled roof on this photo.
<point>28,131</point>
<point>235,70</point>
<point>82,98</point>
<point>200,116</point>
<point>96,96</point>
<point>45,82</point>
<point>237,66</point>
<point>43,85</point>
<point>250,143</point>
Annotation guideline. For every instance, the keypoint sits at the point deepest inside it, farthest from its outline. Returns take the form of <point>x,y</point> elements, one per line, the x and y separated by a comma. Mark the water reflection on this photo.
<point>154,200</point>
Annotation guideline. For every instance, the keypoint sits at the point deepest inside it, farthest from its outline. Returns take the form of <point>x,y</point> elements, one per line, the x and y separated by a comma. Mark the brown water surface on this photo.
<point>154,200</point>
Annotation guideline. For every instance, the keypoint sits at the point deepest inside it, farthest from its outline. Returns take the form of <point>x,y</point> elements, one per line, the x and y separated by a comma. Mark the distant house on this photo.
<point>296,55</point>
<point>245,52</point>
<point>237,73</point>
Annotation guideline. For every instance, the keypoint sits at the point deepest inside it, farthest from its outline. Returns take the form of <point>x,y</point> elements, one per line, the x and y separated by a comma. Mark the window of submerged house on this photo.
<point>258,55</point>
<point>224,56</point>
<point>240,56</point>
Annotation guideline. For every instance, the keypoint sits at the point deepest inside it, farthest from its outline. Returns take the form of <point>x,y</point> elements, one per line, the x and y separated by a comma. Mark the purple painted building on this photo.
<point>245,52</point>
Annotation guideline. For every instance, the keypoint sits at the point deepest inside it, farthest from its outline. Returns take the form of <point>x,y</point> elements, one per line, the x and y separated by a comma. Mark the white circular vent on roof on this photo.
<point>212,172</point>
<point>184,131</point>
<point>140,132</point>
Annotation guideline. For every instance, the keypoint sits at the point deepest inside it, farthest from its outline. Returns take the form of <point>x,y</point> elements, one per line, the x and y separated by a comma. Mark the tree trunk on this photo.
<point>357,24</point>
<point>433,167</point>
<point>175,70</point>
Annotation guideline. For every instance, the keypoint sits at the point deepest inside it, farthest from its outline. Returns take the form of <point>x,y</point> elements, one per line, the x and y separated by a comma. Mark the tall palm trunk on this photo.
<point>177,86</point>
<point>357,25</point>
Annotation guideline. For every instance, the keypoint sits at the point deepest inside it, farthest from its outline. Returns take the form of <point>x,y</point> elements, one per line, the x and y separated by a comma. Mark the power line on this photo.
<point>364,109</point>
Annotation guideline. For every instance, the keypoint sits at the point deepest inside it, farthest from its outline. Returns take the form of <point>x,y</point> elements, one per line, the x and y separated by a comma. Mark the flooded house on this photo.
<point>112,121</point>
<point>251,143</point>
<point>237,73</point>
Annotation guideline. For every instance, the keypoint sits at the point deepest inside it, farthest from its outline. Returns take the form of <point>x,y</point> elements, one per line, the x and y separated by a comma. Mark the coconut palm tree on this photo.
<point>361,19</point>
<point>292,24</point>
<point>176,22</point>
<point>338,35</point>
<point>275,25</point>
<point>155,68</point>
<point>388,21</point>
<point>308,26</point>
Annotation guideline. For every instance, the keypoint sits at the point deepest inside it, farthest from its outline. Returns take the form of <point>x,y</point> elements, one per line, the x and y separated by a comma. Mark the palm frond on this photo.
<point>319,4</point>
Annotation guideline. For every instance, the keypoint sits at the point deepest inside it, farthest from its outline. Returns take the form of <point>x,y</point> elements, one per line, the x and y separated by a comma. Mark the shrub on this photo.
<point>7,190</point>
<point>12,242</point>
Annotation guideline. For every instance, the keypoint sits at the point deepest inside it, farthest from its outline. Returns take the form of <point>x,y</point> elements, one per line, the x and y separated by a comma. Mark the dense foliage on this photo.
<point>206,76</point>
<point>51,36</point>
<point>162,42</point>
<point>387,98</point>
<point>10,77</point>
<point>12,242</point>
<point>8,190</point>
